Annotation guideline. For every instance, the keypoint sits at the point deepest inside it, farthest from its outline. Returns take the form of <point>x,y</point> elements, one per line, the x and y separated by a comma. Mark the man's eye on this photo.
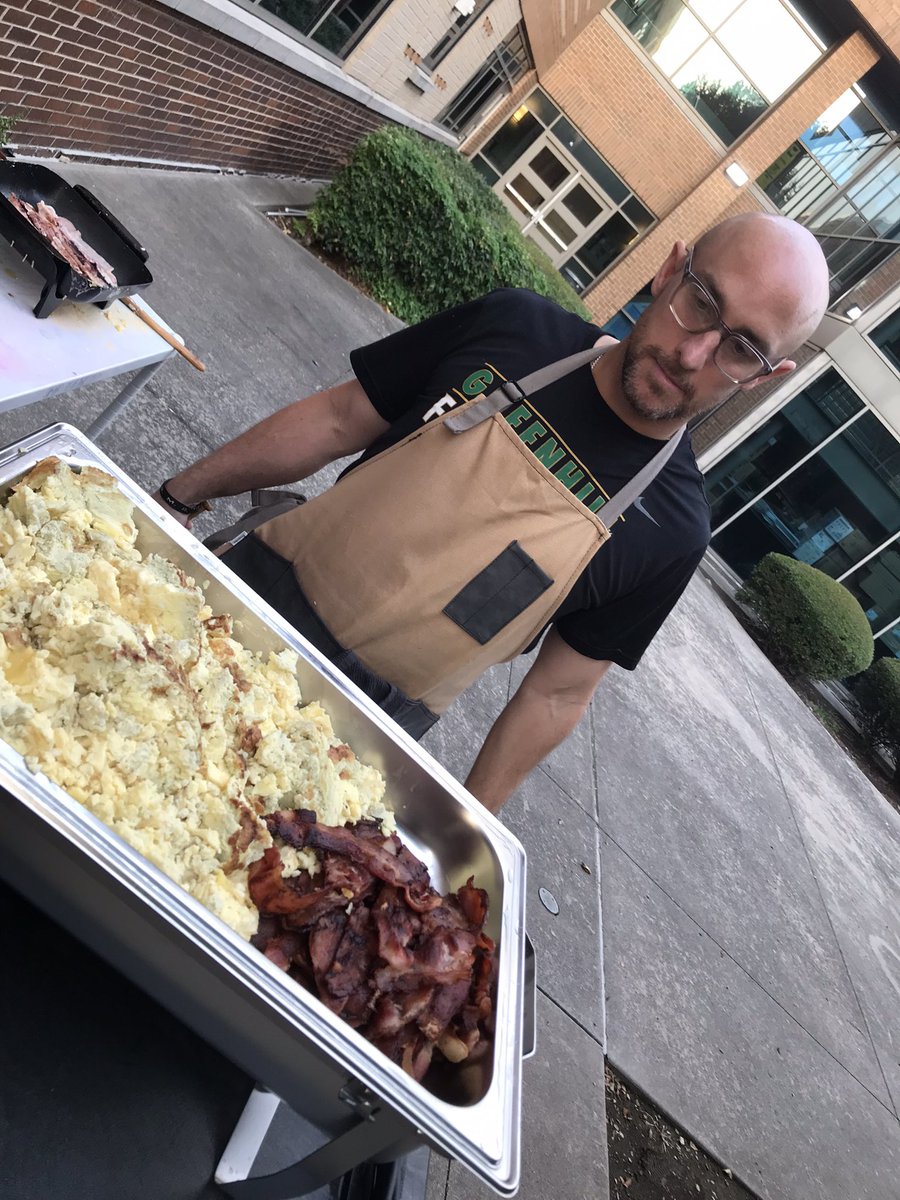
<point>702,305</point>
<point>741,352</point>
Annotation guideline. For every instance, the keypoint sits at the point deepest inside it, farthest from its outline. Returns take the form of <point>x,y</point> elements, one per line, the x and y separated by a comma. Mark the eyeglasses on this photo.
<point>696,312</point>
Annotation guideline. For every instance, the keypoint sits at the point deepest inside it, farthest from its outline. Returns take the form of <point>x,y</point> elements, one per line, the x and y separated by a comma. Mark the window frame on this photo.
<point>616,208</point>
<point>457,30</point>
<point>494,65</point>
<point>712,36</point>
<point>307,38</point>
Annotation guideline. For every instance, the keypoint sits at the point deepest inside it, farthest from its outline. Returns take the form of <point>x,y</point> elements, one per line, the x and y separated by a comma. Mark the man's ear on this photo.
<point>672,265</point>
<point>783,368</point>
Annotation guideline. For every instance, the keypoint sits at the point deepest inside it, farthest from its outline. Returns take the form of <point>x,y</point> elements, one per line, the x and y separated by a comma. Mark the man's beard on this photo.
<point>671,408</point>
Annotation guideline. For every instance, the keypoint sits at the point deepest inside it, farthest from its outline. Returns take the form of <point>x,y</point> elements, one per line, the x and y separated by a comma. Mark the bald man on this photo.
<point>521,481</point>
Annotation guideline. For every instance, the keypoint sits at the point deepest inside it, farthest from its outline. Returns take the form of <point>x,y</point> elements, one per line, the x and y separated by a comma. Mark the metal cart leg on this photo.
<point>121,402</point>
<point>362,1141</point>
<point>373,1181</point>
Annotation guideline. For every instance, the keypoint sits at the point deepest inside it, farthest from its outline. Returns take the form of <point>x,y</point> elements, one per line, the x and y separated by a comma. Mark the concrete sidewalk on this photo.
<point>750,872</point>
<point>751,877</point>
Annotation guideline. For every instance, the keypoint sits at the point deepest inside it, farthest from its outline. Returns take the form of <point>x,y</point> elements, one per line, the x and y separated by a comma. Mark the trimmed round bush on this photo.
<point>877,698</point>
<point>814,626</point>
<point>422,231</point>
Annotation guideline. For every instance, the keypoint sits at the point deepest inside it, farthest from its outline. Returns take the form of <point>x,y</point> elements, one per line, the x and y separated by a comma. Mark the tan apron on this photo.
<point>451,550</point>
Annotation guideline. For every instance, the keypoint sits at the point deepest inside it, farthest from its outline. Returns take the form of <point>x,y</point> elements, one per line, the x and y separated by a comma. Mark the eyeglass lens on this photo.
<point>697,314</point>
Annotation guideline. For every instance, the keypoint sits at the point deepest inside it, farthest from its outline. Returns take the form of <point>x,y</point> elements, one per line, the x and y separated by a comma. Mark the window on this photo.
<point>820,481</point>
<point>563,194</point>
<point>730,59</point>
<point>504,66</point>
<point>336,25</point>
<point>842,180</point>
<point>621,325</point>
<point>886,337</point>
<point>462,23</point>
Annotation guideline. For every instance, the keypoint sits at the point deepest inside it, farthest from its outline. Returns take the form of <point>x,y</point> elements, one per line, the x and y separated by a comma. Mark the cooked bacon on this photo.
<point>353,957</point>
<point>66,241</point>
<point>396,927</point>
<point>445,1004</point>
<point>340,752</point>
<point>411,969</point>
<point>324,940</point>
<point>385,858</point>
<point>283,949</point>
<point>474,903</point>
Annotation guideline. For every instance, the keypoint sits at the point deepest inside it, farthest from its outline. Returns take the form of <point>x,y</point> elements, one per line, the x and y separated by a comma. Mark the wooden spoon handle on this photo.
<point>163,333</point>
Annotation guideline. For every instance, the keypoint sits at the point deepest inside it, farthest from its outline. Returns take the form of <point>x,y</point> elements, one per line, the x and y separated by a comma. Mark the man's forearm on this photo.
<point>523,735</point>
<point>291,444</point>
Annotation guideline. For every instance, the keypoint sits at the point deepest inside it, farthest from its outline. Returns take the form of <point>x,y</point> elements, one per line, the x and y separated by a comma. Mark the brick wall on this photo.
<point>715,195</point>
<point>406,33</point>
<point>884,17</point>
<point>552,26</point>
<point>132,77</point>
<point>605,85</point>
<point>881,281</point>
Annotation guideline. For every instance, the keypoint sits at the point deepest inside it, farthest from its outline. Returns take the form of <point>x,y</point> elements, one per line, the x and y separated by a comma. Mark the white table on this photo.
<point>76,345</point>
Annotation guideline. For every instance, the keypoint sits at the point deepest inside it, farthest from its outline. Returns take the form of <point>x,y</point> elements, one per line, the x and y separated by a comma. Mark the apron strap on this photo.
<point>511,392</point>
<point>626,496</point>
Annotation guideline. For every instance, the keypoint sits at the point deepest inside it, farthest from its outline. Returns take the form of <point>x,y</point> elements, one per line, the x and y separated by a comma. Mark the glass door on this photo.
<point>553,202</point>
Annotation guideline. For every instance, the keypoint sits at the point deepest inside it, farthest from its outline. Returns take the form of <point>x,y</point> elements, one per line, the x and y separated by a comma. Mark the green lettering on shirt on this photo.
<point>518,415</point>
<point>597,504</point>
<point>585,492</point>
<point>532,432</point>
<point>478,381</point>
<point>569,475</point>
<point>550,453</point>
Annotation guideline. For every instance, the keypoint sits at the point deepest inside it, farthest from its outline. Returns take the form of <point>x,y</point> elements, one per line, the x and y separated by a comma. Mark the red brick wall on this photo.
<point>135,78</point>
<point>884,17</point>
<point>604,83</point>
<point>709,201</point>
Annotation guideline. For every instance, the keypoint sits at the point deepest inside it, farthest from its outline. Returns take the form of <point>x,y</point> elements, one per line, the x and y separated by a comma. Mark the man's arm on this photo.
<point>291,444</point>
<point>548,705</point>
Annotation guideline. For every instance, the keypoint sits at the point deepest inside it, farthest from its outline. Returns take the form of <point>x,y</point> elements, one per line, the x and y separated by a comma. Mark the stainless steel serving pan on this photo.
<point>69,863</point>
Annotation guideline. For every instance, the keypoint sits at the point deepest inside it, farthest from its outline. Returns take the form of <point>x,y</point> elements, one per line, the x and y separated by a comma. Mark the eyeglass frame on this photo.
<point>688,276</point>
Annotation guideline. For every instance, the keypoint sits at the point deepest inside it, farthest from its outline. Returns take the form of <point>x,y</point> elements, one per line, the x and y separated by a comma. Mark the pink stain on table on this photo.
<point>10,359</point>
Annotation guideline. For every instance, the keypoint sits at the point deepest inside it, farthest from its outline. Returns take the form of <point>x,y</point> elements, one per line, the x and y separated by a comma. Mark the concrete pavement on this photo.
<point>749,871</point>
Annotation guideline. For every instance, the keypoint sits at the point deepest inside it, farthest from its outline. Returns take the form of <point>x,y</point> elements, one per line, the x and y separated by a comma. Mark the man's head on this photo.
<point>764,277</point>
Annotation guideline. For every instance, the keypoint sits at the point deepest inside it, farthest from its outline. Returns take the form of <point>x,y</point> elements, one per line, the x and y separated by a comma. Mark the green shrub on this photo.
<point>812,624</point>
<point>7,121</point>
<point>422,231</point>
<point>877,700</point>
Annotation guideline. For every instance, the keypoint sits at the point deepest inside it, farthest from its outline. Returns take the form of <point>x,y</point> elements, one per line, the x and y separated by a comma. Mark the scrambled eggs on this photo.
<point>121,685</point>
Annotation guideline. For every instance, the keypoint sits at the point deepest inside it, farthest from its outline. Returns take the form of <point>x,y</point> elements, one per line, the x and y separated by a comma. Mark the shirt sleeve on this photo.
<point>621,629</point>
<point>395,370</point>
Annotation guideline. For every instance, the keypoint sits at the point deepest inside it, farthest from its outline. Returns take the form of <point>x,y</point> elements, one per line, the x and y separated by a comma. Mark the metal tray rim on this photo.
<point>460,1130</point>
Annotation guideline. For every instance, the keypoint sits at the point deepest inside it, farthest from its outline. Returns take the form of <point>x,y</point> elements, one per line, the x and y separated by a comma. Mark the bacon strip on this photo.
<point>411,969</point>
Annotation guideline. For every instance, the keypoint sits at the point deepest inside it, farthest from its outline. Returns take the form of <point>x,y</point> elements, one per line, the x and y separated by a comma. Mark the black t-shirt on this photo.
<point>631,584</point>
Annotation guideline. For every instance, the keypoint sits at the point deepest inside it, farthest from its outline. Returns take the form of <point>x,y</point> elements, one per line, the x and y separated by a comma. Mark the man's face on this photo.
<point>669,374</point>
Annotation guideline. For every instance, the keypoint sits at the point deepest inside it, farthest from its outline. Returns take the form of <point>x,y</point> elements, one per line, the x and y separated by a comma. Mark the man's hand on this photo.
<point>548,705</point>
<point>181,518</point>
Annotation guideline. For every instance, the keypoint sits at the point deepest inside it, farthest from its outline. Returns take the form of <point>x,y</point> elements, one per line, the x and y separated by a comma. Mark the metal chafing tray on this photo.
<point>70,864</point>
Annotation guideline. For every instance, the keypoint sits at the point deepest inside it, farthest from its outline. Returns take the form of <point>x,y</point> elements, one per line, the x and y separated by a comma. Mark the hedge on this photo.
<point>813,625</point>
<point>876,696</point>
<point>421,230</point>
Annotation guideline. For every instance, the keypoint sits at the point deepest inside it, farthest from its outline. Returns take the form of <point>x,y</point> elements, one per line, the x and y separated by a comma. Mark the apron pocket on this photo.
<point>498,594</point>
